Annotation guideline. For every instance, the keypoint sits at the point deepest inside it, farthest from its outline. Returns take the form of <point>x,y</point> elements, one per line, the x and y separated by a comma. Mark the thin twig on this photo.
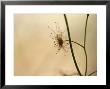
<point>85,43</point>
<point>86,61</point>
<point>76,43</point>
<point>92,73</point>
<point>71,45</point>
<point>85,30</point>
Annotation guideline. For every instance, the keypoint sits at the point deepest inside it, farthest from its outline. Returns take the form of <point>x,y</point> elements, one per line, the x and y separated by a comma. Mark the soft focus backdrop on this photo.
<point>34,51</point>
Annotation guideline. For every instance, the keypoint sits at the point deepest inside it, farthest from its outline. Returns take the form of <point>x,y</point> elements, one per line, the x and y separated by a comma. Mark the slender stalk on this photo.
<point>85,43</point>
<point>86,61</point>
<point>76,43</point>
<point>71,46</point>
<point>85,30</point>
<point>92,73</point>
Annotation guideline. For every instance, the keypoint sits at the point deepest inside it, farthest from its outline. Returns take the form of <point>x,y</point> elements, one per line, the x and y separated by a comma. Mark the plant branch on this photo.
<point>85,30</point>
<point>92,73</point>
<point>85,43</point>
<point>86,61</point>
<point>76,43</point>
<point>71,46</point>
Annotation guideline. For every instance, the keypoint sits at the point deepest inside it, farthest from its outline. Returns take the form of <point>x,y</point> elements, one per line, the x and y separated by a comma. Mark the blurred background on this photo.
<point>34,51</point>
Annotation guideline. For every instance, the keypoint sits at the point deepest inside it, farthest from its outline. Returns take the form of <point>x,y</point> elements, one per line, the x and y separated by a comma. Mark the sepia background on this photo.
<point>34,51</point>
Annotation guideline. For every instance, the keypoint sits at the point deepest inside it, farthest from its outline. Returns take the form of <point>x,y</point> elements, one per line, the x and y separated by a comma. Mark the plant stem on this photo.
<point>85,43</point>
<point>85,30</point>
<point>86,61</point>
<point>71,46</point>
<point>92,73</point>
<point>76,43</point>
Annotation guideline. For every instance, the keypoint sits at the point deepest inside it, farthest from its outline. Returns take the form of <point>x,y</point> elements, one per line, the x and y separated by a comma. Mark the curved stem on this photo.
<point>76,43</point>
<point>92,73</point>
<point>85,43</point>
<point>85,30</point>
<point>84,51</point>
<point>86,60</point>
<point>71,46</point>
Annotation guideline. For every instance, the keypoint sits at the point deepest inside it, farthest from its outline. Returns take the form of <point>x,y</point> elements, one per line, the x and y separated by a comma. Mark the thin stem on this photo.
<point>92,73</point>
<point>71,46</point>
<point>86,61</point>
<point>85,30</point>
<point>85,43</point>
<point>76,43</point>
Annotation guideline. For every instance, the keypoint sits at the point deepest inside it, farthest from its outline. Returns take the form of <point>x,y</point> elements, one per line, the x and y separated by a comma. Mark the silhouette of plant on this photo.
<point>83,46</point>
<point>61,43</point>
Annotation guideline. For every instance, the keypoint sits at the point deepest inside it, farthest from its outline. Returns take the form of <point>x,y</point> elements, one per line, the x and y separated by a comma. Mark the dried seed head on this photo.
<point>58,37</point>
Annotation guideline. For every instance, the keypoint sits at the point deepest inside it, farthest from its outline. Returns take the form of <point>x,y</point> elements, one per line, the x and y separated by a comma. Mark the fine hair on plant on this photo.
<point>59,38</point>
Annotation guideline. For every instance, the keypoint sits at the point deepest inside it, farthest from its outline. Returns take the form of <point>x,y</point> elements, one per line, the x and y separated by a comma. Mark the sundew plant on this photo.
<point>61,43</point>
